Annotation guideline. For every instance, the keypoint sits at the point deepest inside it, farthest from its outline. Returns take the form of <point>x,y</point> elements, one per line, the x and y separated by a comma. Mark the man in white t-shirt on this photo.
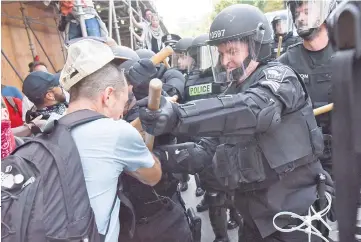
<point>107,146</point>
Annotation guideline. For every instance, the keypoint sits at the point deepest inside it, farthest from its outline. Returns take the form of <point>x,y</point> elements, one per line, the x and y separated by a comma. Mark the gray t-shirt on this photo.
<point>107,148</point>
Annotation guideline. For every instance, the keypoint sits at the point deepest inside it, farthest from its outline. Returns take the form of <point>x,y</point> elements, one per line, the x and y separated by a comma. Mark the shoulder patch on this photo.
<point>275,73</point>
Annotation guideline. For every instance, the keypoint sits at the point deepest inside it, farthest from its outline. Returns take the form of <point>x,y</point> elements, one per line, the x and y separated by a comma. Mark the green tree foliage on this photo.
<point>264,5</point>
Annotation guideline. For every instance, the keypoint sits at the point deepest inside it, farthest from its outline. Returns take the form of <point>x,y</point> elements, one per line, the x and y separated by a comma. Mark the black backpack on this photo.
<point>43,191</point>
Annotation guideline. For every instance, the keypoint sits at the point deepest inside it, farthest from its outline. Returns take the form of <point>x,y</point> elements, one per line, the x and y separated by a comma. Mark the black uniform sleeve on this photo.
<point>258,109</point>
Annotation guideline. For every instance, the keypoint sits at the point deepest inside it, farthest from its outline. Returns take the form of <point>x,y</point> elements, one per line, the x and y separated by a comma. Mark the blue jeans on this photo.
<point>92,28</point>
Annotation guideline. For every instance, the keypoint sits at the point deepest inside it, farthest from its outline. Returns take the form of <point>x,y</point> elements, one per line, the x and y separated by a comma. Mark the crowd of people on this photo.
<point>242,124</point>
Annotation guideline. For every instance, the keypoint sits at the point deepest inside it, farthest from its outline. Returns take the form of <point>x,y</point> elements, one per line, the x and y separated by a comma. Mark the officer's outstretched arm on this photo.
<point>188,157</point>
<point>258,109</point>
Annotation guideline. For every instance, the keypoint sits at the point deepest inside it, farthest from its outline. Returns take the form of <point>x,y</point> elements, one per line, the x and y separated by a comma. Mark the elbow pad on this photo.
<point>268,118</point>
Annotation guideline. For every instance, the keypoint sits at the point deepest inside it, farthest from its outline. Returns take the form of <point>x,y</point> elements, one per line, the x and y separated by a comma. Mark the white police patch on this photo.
<point>276,73</point>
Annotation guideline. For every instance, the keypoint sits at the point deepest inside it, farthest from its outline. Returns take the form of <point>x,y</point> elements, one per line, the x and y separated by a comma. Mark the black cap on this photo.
<point>37,83</point>
<point>170,38</point>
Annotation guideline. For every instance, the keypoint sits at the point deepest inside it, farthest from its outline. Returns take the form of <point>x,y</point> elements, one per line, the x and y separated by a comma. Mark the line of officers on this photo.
<point>243,124</point>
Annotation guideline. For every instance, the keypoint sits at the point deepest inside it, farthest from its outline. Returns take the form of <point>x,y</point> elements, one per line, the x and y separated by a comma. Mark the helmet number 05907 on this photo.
<point>217,34</point>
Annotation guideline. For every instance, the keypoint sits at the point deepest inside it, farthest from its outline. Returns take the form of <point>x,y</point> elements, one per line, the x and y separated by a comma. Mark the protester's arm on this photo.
<point>150,176</point>
<point>137,24</point>
<point>137,160</point>
<point>25,130</point>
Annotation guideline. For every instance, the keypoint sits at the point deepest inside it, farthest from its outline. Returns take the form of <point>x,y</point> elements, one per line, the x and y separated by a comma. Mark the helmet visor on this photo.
<point>181,61</point>
<point>202,57</point>
<point>233,59</point>
<point>282,26</point>
<point>308,15</point>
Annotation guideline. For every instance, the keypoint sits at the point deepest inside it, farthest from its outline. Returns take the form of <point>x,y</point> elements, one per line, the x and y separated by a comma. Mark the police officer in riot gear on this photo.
<point>312,60</point>
<point>200,83</point>
<point>268,136</point>
<point>159,210</point>
<point>282,27</point>
<point>180,61</point>
<point>173,80</point>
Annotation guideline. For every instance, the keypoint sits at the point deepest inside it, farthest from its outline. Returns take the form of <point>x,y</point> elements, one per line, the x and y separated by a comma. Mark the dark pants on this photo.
<point>296,191</point>
<point>250,234</point>
<point>168,225</point>
<point>218,219</point>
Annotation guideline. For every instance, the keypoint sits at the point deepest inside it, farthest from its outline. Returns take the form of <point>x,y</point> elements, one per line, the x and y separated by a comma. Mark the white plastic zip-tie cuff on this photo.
<point>306,225</point>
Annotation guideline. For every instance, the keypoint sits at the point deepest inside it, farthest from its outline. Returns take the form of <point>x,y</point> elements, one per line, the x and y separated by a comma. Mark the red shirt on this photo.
<point>15,111</point>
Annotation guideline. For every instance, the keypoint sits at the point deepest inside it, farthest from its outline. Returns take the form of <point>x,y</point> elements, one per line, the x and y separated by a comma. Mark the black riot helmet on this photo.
<point>281,25</point>
<point>243,36</point>
<point>180,59</point>
<point>309,15</point>
<point>124,53</point>
<point>199,54</point>
<point>127,54</point>
<point>145,53</point>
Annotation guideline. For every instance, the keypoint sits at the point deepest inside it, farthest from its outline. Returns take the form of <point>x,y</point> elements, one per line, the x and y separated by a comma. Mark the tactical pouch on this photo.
<point>237,164</point>
<point>251,159</point>
<point>225,169</point>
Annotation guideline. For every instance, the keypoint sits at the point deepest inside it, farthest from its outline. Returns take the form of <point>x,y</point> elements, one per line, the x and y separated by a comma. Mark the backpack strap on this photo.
<point>79,117</point>
<point>127,203</point>
<point>12,103</point>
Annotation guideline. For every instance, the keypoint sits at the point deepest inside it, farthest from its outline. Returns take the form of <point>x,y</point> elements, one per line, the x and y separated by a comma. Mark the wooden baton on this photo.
<point>165,62</point>
<point>155,90</point>
<point>162,55</point>
<point>280,39</point>
<point>156,59</point>
<point>323,109</point>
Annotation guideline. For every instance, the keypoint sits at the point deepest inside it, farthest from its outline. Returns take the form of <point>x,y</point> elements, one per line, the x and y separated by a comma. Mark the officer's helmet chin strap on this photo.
<point>307,226</point>
<point>309,34</point>
<point>239,73</point>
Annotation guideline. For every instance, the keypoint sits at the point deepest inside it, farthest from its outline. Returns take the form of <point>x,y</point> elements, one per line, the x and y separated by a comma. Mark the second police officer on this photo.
<point>312,60</point>
<point>269,139</point>
<point>180,61</point>
<point>282,32</point>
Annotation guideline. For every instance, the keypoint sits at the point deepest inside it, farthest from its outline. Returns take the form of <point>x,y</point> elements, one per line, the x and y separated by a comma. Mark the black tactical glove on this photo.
<point>141,73</point>
<point>187,157</point>
<point>162,121</point>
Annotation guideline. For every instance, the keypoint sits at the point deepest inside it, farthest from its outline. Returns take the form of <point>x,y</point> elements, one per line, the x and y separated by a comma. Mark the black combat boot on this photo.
<point>199,192</point>
<point>235,219</point>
